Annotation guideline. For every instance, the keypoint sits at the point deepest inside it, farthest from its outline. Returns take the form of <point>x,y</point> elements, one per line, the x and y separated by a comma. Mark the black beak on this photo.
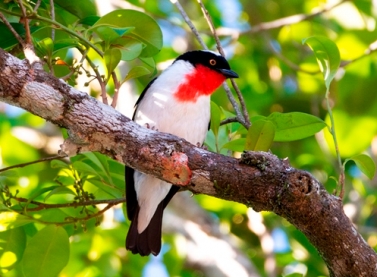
<point>228,73</point>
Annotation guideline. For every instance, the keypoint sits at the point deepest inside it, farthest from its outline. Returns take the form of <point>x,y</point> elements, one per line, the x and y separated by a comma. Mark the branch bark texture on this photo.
<point>259,180</point>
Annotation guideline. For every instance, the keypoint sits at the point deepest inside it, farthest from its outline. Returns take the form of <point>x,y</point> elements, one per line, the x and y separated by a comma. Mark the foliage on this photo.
<point>325,124</point>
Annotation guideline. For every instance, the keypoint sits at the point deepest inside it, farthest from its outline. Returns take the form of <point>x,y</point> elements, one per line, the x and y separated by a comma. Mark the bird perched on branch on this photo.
<point>176,102</point>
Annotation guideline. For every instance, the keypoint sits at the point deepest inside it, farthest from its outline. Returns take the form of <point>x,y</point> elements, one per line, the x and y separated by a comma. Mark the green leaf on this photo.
<point>66,43</point>
<point>237,145</point>
<point>81,9</point>
<point>85,168</point>
<point>10,220</point>
<point>58,164</point>
<point>148,61</point>
<point>365,164</point>
<point>130,48</point>
<point>109,33</point>
<point>44,47</point>
<point>47,253</point>
<point>327,55</point>
<point>59,190</point>
<point>12,246</point>
<point>136,72</point>
<point>146,29</point>
<point>108,188</point>
<point>89,20</point>
<point>215,118</point>
<point>112,58</point>
<point>260,136</point>
<point>295,125</point>
<point>8,40</point>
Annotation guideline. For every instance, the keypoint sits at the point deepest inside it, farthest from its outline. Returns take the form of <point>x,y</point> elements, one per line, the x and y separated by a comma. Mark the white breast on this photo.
<point>159,108</point>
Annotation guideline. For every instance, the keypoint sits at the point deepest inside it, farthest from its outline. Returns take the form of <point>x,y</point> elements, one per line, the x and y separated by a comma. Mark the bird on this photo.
<point>176,102</point>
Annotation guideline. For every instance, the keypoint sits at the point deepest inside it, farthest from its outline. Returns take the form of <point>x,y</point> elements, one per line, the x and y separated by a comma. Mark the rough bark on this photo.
<point>258,179</point>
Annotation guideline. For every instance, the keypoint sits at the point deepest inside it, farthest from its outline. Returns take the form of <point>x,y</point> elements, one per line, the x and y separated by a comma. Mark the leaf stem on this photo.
<point>332,131</point>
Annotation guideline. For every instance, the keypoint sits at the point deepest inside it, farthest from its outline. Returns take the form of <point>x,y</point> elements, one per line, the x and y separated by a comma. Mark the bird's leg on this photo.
<point>201,145</point>
<point>151,127</point>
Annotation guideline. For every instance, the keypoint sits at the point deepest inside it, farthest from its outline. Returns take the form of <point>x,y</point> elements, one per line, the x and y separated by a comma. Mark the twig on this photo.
<point>245,114</point>
<point>289,20</point>
<point>230,96</point>
<point>98,77</point>
<point>37,5</point>
<point>52,11</point>
<point>229,120</point>
<point>25,21</point>
<point>371,48</point>
<point>116,89</point>
<point>285,60</point>
<point>43,206</point>
<point>33,162</point>
<point>189,23</point>
<point>13,31</point>
<point>70,220</point>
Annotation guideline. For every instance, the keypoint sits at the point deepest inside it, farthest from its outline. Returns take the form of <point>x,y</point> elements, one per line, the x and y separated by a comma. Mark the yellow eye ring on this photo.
<point>212,62</point>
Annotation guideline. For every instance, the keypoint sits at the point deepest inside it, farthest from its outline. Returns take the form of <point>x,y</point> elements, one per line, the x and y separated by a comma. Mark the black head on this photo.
<point>210,60</point>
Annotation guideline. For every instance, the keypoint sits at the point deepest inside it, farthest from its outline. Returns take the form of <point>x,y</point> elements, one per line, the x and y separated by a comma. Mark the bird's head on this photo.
<point>208,70</point>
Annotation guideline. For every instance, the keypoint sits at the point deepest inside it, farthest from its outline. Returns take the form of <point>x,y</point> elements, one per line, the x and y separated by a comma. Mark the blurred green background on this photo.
<point>204,236</point>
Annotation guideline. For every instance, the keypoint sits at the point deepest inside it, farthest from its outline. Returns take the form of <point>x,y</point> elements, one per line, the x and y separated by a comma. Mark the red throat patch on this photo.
<point>203,81</point>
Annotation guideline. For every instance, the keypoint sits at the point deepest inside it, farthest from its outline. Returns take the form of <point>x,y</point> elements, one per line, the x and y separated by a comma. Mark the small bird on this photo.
<point>176,102</point>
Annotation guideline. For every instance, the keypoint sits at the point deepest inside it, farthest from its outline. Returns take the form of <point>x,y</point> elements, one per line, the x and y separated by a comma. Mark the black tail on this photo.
<point>149,241</point>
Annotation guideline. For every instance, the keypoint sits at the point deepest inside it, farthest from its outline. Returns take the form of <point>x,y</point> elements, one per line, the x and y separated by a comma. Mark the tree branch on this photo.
<point>258,179</point>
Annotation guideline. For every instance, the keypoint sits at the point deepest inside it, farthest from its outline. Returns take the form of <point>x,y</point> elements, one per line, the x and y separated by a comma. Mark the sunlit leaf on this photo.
<point>295,125</point>
<point>83,167</point>
<point>130,48</point>
<point>89,20</point>
<point>10,220</point>
<point>8,40</point>
<point>46,253</point>
<point>66,43</point>
<point>81,9</point>
<point>59,190</point>
<point>235,145</point>
<point>365,164</point>
<point>215,118</point>
<point>58,164</point>
<point>136,72</point>
<point>12,246</point>
<point>327,55</point>
<point>146,29</point>
<point>260,136</point>
<point>112,58</point>
<point>44,47</point>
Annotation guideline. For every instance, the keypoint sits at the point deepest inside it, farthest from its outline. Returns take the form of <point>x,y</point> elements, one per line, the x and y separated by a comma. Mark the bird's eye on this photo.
<point>212,62</point>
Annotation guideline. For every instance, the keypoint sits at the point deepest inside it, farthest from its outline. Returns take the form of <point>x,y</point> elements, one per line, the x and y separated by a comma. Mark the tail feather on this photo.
<point>149,241</point>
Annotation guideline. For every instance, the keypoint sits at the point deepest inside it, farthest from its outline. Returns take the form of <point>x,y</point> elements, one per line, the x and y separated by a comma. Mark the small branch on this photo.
<point>13,31</point>
<point>229,120</point>
<point>189,23</point>
<point>43,206</point>
<point>289,20</point>
<point>371,49</point>
<point>33,162</point>
<point>98,77</point>
<point>37,5</point>
<point>285,60</point>
<point>245,115</point>
<point>116,90</point>
<point>240,117</point>
<point>52,11</point>
<point>336,145</point>
<point>25,21</point>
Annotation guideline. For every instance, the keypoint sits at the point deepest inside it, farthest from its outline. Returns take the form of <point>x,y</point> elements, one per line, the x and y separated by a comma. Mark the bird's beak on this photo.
<point>228,73</point>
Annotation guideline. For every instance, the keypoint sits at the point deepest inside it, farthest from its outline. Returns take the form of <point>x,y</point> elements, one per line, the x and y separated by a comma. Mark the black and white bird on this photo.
<point>176,102</point>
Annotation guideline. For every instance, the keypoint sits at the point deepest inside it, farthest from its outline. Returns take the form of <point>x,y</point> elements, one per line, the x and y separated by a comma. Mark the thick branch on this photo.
<point>259,179</point>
